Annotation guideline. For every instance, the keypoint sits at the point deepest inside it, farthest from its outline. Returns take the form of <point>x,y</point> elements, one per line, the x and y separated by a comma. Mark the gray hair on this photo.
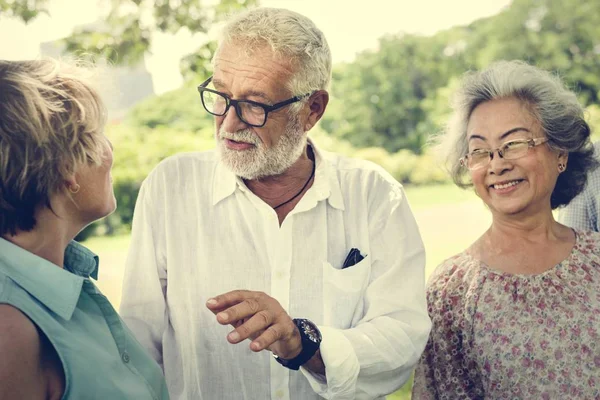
<point>291,36</point>
<point>51,122</point>
<point>550,102</point>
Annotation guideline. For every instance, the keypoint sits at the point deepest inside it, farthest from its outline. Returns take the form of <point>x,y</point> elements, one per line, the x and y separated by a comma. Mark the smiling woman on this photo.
<point>503,310</point>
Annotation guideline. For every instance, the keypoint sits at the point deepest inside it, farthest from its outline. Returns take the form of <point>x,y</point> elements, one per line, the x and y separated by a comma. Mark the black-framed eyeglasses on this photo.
<point>250,112</point>
<point>510,150</point>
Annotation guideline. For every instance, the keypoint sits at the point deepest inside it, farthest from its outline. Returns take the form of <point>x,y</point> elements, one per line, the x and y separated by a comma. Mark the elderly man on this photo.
<point>270,255</point>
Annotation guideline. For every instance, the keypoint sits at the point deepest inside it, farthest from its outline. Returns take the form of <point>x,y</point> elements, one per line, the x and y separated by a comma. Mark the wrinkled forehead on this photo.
<point>233,65</point>
<point>245,49</point>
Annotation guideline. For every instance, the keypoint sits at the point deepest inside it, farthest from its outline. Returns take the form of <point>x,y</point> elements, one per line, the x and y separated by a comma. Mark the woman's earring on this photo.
<point>561,167</point>
<point>74,189</point>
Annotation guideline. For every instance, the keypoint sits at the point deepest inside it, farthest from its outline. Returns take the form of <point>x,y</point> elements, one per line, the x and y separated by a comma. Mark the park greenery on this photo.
<point>385,106</point>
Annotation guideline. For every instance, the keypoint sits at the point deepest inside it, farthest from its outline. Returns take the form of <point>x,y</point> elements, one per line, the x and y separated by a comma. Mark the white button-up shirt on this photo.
<point>198,231</point>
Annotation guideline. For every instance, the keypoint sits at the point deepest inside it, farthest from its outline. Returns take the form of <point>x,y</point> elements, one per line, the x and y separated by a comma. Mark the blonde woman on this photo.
<point>59,336</point>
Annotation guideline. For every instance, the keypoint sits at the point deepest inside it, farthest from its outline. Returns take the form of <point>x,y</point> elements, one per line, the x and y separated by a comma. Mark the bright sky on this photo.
<point>350,26</point>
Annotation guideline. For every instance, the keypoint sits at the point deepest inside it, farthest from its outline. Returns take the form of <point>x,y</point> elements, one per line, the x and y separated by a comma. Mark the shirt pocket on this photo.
<point>343,291</point>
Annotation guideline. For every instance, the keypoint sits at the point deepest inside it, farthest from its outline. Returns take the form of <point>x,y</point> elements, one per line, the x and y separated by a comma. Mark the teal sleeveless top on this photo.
<point>100,357</point>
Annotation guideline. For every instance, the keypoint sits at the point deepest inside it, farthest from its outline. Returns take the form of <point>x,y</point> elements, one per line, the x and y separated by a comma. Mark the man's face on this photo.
<point>253,152</point>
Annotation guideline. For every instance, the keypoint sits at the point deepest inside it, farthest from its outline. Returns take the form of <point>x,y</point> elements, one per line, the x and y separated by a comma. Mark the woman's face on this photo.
<point>518,186</point>
<point>96,198</point>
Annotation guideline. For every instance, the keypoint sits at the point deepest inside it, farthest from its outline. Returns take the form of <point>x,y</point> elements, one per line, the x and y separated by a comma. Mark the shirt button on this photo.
<point>279,394</point>
<point>279,275</point>
<point>125,357</point>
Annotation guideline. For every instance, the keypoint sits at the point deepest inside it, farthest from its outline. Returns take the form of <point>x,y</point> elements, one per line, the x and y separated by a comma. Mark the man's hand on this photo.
<point>258,317</point>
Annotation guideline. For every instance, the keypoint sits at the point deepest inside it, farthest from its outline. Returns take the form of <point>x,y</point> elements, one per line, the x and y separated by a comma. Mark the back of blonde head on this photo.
<point>51,122</point>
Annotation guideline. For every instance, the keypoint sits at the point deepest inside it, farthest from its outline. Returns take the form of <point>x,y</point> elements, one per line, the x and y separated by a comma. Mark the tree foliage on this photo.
<point>126,33</point>
<point>180,109</point>
<point>25,10</point>
<point>398,95</point>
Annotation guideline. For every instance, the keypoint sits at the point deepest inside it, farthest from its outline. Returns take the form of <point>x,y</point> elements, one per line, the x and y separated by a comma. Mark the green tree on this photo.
<point>557,35</point>
<point>127,31</point>
<point>398,95</point>
<point>381,93</point>
<point>131,23</point>
<point>179,109</point>
<point>25,10</point>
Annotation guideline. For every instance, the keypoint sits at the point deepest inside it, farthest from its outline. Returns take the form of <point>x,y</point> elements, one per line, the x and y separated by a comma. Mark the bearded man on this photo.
<point>270,269</point>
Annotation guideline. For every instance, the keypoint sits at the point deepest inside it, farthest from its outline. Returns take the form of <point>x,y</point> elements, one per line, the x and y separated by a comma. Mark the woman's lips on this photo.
<point>506,187</point>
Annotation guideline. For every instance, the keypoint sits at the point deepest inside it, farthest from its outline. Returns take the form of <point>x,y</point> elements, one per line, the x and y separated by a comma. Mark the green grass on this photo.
<point>403,393</point>
<point>426,196</point>
<point>449,220</point>
<point>116,244</point>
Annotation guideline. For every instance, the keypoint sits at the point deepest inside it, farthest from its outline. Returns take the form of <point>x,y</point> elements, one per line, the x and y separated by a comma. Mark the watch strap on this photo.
<point>311,341</point>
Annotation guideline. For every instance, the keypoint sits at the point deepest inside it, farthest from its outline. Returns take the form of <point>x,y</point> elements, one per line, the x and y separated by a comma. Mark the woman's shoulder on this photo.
<point>20,342</point>
<point>454,277</point>
<point>454,270</point>
<point>16,328</point>
<point>588,240</point>
<point>587,247</point>
<point>28,361</point>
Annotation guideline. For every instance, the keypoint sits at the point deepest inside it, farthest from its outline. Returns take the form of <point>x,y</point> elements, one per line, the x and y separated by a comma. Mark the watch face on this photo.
<point>311,332</point>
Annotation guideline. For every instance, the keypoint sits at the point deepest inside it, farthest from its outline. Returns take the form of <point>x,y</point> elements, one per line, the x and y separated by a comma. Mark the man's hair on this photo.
<point>51,122</point>
<point>549,101</point>
<point>291,36</point>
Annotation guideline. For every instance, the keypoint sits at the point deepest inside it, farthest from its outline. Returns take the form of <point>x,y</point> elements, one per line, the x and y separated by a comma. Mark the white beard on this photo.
<point>258,161</point>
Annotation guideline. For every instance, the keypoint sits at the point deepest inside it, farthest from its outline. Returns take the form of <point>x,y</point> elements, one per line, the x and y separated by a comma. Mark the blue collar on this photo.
<point>56,288</point>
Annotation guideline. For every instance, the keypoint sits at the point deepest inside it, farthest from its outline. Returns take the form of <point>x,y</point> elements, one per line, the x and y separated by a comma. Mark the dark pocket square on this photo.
<point>353,257</point>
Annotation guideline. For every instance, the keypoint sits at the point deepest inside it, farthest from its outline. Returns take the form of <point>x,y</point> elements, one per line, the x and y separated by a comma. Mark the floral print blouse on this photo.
<point>504,336</point>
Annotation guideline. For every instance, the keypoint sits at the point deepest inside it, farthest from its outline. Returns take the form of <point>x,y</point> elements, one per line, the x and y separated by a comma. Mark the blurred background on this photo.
<point>396,64</point>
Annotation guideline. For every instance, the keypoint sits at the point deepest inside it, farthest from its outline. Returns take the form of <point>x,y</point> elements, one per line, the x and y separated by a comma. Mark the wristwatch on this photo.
<point>311,341</point>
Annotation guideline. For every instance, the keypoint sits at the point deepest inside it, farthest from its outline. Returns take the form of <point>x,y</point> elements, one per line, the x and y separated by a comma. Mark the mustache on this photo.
<point>244,136</point>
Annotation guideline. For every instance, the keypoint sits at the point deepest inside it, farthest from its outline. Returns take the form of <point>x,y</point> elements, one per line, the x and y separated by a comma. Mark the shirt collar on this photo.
<point>224,182</point>
<point>326,184</point>
<point>81,261</point>
<point>56,288</point>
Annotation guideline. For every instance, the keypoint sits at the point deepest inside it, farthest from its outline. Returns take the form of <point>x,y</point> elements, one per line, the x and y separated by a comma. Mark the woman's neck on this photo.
<point>536,228</point>
<point>524,246</point>
<point>48,239</point>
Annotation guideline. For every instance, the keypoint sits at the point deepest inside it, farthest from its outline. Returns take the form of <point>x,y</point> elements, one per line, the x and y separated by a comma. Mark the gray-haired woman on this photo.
<point>60,338</point>
<point>517,314</point>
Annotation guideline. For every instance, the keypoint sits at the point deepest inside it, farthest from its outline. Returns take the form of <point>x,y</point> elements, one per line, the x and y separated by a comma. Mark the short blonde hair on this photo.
<point>51,122</point>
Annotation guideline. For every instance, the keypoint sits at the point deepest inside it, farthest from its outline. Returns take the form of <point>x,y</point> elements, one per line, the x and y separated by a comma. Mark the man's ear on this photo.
<point>317,104</point>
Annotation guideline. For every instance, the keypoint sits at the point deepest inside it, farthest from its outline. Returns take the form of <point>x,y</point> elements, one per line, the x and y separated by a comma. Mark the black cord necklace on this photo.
<point>303,187</point>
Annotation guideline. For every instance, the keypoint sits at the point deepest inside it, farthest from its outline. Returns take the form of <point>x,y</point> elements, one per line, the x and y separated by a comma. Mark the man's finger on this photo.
<point>271,335</point>
<point>229,299</point>
<point>252,328</point>
<point>245,309</point>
